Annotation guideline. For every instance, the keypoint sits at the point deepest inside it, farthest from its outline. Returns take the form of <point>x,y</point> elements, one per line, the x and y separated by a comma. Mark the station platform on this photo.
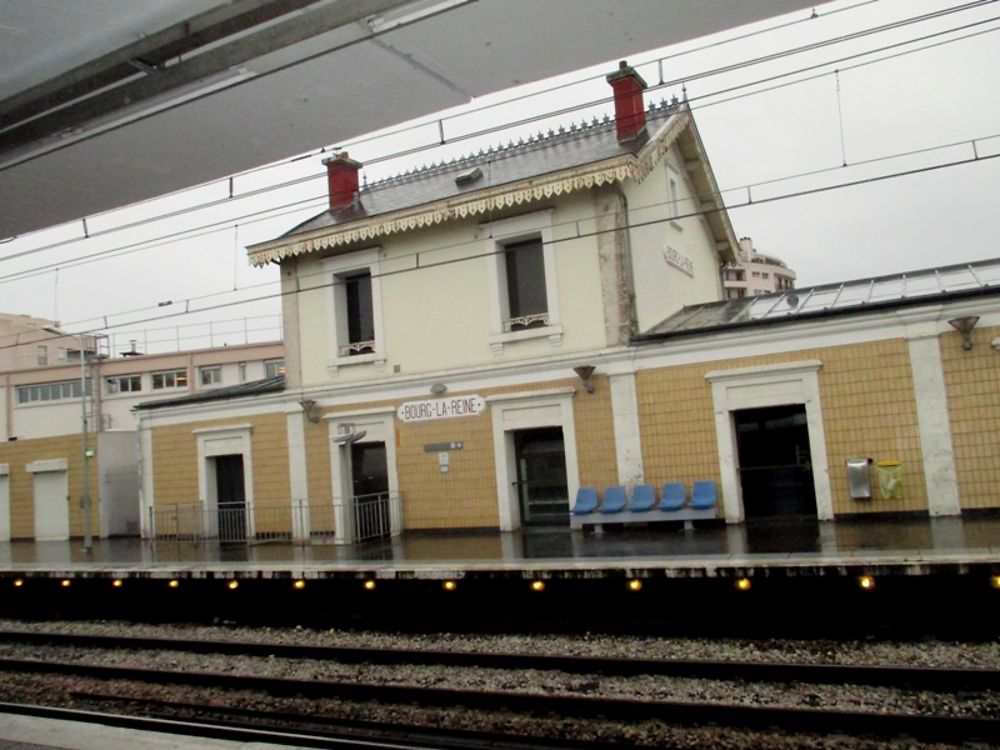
<point>19,732</point>
<point>796,547</point>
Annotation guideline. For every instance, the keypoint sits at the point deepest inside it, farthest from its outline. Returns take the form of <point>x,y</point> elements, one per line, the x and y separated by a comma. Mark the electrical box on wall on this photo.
<point>444,462</point>
<point>859,478</point>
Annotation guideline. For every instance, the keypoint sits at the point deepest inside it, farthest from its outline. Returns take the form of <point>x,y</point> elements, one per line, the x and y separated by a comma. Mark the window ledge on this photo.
<point>358,359</point>
<point>553,333</point>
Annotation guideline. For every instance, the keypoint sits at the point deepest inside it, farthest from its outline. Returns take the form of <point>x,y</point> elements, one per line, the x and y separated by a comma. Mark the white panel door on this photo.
<point>51,506</point>
<point>4,508</point>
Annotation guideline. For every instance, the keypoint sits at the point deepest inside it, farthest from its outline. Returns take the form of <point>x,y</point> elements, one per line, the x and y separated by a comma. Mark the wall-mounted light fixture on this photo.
<point>584,372</point>
<point>438,388</point>
<point>310,409</point>
<point>346,435</point>
<point>964,326</point>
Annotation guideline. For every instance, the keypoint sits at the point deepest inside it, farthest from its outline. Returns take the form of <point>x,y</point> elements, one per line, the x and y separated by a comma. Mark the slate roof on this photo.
<point>252,388</point>
<point>921,287</point>
<point>544,153</point>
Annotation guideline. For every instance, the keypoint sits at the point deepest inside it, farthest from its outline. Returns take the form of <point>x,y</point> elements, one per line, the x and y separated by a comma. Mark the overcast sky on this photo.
<point>870,111</point>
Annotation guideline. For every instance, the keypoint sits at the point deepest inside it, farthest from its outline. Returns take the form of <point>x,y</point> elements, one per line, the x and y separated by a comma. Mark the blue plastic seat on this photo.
<point>615,500</point>
<point>643,498</point>
<point>586,501</point>
<point>673,497</point>
<point>703,495</point>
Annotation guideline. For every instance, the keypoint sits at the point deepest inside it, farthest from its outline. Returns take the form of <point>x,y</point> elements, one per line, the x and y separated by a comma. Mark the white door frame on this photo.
<point>527,410</point>
<point>226,440</point>
<point>792,383</point>
<point>379,426</point>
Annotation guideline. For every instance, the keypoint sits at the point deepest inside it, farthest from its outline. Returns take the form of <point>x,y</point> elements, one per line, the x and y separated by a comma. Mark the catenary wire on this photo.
<point>430,121</point>
<point>318,201</point>
<point>735,206</point>
<point>541,117</point>
<point>478,256</point>
<point>270,213</point>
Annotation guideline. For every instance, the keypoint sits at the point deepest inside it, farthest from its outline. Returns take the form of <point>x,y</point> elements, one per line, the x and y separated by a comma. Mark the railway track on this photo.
<point>751,671</point>
<point>93,691</point>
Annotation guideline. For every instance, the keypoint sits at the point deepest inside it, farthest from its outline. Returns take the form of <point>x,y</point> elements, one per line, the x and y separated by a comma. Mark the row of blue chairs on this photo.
<point>617,507</point>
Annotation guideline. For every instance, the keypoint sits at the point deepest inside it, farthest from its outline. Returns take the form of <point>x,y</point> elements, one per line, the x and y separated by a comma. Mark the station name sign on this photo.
<point>441,408</point>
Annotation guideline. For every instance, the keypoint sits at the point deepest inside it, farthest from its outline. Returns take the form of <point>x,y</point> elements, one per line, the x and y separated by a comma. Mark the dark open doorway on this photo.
<point>775,463</point>
<point>541,476</point>
<point>370,486</point>
<point>231,500</point>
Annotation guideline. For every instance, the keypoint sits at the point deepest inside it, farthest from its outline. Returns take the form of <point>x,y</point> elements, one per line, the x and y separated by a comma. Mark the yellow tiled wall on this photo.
<point>175,467</point>
<point>868,406</point>
<point>465,497</point>
<point>21,482</point>
<point>321,517</point>
<point>595,435</point>
<point>972,381</point>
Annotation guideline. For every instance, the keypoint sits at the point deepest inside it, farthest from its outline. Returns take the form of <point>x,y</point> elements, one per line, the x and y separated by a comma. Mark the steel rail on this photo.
<point>940,679</point>
<point>337,728</point>
<point>682,713</point>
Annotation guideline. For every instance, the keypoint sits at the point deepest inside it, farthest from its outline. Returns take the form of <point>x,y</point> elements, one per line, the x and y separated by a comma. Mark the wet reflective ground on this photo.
<point>785,536</point>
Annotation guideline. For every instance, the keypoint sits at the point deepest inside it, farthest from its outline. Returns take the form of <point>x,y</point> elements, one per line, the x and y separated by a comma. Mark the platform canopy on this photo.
<point>107,102</point>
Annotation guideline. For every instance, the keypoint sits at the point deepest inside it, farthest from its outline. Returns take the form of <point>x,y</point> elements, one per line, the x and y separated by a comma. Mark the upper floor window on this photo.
<point>765,275</point>
<point>211,375</point>
<point>521,272</point>
<point>355,309</point>
<point>66,389</point>
<point>360,315</point>
<point>526,299</point>
<point>124,384</point>
<point>43,354</point>
<point>673,197</point>
<point>170,379</point>
<point>274,367</point>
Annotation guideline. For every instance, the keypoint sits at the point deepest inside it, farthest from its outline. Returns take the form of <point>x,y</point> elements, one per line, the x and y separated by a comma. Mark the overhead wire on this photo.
<point>696,103</point>
<point>478,256</point>
<point>228,223</point>
<point>538,118</point>
<point>257,216</point>
<point>425,122</point>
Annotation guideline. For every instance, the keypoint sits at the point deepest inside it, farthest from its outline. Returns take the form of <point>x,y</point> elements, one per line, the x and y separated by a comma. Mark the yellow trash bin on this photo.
<point>890,480</point>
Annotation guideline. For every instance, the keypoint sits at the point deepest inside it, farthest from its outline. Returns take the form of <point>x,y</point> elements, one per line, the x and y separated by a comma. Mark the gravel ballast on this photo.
<point>53,689</point>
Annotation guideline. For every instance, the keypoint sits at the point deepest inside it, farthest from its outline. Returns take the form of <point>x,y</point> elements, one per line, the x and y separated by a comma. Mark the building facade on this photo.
<point>470,343</point>
<point>755,273</point>
<point>41,429</point>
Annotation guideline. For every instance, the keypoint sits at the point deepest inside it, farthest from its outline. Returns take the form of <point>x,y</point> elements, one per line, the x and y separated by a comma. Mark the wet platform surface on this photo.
<point>915,543</point>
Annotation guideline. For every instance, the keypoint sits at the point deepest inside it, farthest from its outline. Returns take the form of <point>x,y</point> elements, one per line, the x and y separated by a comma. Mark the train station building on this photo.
<point>469,344</point>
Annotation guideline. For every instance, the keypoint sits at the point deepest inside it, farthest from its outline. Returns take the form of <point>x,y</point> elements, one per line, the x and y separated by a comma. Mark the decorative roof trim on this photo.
<point>617,169</point>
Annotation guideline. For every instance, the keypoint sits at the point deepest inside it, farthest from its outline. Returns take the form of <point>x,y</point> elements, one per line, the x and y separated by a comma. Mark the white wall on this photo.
<point>437,317</point>
<point>661,288</point>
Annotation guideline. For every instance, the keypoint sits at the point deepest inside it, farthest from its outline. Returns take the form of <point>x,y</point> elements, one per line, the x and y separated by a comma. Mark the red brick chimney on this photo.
<point>630,115</point>
<point>342,178</point>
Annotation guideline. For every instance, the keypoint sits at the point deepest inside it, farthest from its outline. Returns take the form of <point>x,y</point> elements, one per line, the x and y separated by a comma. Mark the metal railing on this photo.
<point>365,517</point>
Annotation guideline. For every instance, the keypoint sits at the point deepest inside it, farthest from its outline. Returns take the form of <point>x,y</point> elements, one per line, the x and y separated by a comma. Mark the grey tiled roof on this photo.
<point>253,388</point>
<point>919,287</point>
<point>542,154</point>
